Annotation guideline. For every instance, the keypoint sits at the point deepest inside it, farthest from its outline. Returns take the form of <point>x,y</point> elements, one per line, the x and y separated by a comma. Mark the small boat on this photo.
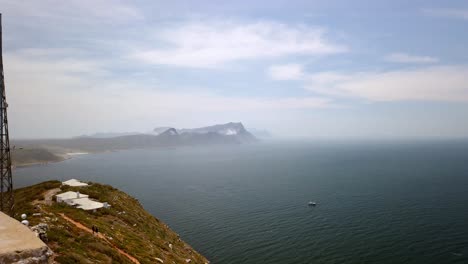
<point>312,203</point>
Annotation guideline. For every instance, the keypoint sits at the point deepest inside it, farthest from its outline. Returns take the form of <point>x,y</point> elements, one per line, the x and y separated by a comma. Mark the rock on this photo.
<point>41,231</point>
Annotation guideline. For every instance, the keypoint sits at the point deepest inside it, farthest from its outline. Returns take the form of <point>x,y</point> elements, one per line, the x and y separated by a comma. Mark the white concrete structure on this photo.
<point>69,197</point>
<point>74,183</point>
<point>87,204</point>
<point>78,199</point>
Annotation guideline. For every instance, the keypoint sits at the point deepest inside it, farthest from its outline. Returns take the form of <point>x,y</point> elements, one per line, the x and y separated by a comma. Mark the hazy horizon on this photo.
<point>299,69</point>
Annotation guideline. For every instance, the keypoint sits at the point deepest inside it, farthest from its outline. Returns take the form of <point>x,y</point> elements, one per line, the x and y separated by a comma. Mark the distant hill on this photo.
<point>224,129</point>
<point>36,155</point>
<point>48,150</point>
<point>159,130</point>
<point>231,130</point>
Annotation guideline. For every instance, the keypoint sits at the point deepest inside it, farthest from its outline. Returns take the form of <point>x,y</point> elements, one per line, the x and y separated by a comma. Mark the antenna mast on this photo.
<point>6,182</point>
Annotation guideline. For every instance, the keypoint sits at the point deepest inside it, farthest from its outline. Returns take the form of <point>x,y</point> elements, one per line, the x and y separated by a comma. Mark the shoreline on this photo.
<point>32,164</point>
<point>76,153</point>
<point>63,157</point>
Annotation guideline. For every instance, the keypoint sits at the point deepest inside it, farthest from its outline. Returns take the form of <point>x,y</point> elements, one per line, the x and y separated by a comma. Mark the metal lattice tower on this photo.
<point>6,182</point>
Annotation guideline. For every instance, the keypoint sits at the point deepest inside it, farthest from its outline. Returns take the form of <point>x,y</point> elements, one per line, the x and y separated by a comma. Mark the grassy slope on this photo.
<point>132,228</point>
<point>31,156</point>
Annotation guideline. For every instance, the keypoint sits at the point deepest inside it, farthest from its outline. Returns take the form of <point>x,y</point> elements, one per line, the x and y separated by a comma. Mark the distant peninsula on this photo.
<point>40,151</point>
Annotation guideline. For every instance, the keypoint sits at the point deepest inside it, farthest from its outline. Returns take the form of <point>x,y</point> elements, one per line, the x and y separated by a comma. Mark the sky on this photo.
<point>308,69</point>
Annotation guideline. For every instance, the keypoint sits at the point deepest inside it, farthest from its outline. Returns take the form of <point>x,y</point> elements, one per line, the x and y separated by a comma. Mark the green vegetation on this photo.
<point>24,198</point>
<point>126,225</point>
<point>37,155</point>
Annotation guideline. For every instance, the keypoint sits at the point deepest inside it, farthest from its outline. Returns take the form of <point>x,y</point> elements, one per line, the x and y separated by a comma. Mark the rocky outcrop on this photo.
<point>41,231</point>
<point>18,244</point>
<point>31,256</point>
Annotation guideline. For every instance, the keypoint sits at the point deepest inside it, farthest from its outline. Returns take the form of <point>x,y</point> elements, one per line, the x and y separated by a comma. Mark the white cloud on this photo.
<point>407,58</point>
<point>285,72</point>
<point>213,43</point>
<point>458,13</point>
<point>438,83</point>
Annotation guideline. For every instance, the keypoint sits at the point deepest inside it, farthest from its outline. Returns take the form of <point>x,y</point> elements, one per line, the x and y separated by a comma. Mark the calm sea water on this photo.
<point>377,202</point>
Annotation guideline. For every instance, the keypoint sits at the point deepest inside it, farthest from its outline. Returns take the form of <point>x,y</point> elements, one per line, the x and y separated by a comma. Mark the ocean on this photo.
<point>378,202</point>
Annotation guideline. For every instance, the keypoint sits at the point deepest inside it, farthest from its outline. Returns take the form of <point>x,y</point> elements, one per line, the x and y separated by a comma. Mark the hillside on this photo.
<point>36,155</point>
<point>129,234</point>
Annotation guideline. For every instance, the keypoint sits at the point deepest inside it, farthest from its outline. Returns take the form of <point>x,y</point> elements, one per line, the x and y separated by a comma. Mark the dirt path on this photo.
<point>47,197</point>
<point>101,236</point>
<point>49,194</point>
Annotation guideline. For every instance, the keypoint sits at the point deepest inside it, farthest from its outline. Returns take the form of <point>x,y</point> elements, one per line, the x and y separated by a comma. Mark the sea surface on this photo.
<point>378,202</point>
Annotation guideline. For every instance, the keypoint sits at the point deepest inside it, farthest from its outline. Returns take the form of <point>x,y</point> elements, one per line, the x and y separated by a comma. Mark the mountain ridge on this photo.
<point>230,130</point>
<point>27,151</point>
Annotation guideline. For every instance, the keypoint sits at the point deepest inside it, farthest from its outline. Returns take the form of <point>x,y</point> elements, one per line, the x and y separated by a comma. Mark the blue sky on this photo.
<point>318,69</point>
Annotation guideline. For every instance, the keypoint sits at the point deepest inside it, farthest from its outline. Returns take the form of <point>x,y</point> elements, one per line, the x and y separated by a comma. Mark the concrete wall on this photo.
<point>18,244</point>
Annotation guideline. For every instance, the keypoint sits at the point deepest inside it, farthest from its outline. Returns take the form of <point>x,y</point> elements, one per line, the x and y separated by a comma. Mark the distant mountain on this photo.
<point>230,133</point>
<point>159,130</point>
<point>230,130</point>
<point>224,129</point>
<point>169,132</point>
